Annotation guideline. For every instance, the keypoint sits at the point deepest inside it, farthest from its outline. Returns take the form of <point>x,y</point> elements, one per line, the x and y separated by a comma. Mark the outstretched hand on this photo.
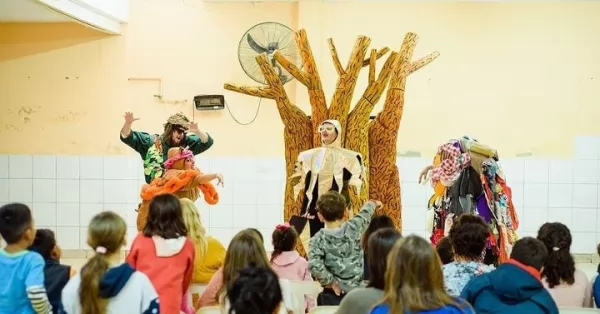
<point>424,173</point>
<point>129,118</point>
<point>193,127</point>
<point>220,180</point>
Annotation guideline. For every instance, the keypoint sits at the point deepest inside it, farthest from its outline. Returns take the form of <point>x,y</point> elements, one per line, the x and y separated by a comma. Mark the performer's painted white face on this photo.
<point>328,133</point>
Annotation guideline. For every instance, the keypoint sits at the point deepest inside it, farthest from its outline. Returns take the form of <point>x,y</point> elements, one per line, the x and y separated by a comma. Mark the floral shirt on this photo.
<point>458,274</point>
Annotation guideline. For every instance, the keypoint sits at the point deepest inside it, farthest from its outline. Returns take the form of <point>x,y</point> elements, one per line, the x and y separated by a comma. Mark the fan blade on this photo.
<point>255,46</point>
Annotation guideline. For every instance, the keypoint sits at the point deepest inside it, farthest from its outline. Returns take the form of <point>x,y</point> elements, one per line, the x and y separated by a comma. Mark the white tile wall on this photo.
<point>66,191</point>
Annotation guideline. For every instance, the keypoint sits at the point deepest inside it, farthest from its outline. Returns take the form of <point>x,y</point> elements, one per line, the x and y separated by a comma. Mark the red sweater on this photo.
<point>168,263</point>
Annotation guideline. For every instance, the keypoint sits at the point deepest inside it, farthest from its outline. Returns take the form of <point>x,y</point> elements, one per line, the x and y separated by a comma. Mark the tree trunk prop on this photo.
<point>375,140</point>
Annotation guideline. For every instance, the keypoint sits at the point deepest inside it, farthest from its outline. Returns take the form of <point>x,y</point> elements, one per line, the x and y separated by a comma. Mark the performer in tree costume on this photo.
<point>322,169</point>
<point>182,179</point>
<point>178,132</point>
<point>467,178</point>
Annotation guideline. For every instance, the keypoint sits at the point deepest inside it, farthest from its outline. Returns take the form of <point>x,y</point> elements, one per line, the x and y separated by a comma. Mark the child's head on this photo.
<point>245,249</point>
<point>106,235</point>
<point>193,224</point>
<point>45,244</point>
<point>444,250</point>
<point>331,206</point>
<point>255,290</point>
<point>16,225</point>
<point>380,244</point>
<point>560,265</point>
<point>165,218</point>
<point>469,237</point>
<point>258,234</point>
<point>284,239</point>
<point>414,281</point>
<point>530,252</point>
<point>377,222</point>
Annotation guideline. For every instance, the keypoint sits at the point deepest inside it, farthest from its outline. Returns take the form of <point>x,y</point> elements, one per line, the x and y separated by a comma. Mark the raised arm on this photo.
<point>139,141</point>
<point>198,141</point>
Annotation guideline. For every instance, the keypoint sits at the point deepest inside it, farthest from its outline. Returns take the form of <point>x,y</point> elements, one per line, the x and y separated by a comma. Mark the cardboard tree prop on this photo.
<point>375,140</point>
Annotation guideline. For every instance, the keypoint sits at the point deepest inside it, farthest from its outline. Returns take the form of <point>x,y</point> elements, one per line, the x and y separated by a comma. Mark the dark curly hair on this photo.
<point>559,266</point>
<point>377,222</point>
<point>255,290</point>
<point>444,250</point>
<point>284,239</point>
<point>469,236</point>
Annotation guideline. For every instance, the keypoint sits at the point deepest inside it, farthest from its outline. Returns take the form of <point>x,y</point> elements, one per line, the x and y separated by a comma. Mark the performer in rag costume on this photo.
<point>322,169</point>
<point>182,179</point>
<point>179,131</point>
<point>467,178</point>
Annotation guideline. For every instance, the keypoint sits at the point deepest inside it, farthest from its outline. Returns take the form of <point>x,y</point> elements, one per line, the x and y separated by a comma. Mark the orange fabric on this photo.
<point>532,271</point>
<point>175,180</point>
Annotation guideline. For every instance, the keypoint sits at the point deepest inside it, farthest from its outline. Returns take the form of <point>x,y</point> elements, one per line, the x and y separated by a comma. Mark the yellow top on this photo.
<point>205,266</point>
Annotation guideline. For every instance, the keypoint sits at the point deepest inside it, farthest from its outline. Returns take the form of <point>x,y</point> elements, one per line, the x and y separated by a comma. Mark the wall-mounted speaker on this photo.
<point>209,102</point>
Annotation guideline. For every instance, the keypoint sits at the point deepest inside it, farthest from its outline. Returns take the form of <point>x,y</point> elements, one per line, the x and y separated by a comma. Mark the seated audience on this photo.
<point>469,239</point>
<point>163,246</point>
<point>245,249</point>
<point>335,258</point>
<point>515,286</point>
<point>568,286</point>
<point>414,282</point>
<point>56,275</point>
<point>444,250</point>
<point>362,300</point>
<point>21,271</point>
<point>377,222</point>
<point>107,284</point>
<point>210,253</point>
<point>255,290</point>
<point>286,261</point>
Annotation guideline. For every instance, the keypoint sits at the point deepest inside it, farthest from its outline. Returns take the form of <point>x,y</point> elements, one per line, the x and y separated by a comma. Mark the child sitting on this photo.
<point>210,253</point>
<point>444,250</point>
<point>22,272</point>
<point>255,290</point>
<point>335,257</point>
<point>523,292</point>
<point>110,286</point>
<point>286,261</point>
<point>163,252</point>
<point>56,275</point>
<point>377,222</point>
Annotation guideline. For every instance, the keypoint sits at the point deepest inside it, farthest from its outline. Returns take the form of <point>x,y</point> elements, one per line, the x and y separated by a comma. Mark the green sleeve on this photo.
<point>139,141</point>
<point>196,145</point>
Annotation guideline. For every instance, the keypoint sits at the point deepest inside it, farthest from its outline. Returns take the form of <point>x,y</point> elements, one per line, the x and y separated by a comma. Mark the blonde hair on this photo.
<point>245,249</point>
<point>193,223</point>
<point>106,230</point>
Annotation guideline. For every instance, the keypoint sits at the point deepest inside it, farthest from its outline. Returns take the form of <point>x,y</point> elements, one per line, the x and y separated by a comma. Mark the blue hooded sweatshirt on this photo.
<point>510,289</point>
<point>128,291</point>
<point>448,309</point>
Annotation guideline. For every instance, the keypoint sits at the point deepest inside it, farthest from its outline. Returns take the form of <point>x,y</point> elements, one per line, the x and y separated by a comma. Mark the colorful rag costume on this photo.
<point>153,148</point>
<point>467,178</point>
<point>176,180</point>
<point>326,168</point>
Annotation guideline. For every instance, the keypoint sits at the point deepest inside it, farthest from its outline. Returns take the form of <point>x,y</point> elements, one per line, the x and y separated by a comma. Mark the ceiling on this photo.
<point>29,11</point>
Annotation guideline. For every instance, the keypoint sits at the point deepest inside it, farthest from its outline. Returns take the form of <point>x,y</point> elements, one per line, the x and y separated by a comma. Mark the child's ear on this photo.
<point>56,252</point>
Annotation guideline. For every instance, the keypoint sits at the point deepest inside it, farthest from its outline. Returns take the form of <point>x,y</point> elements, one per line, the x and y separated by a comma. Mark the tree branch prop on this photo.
<point>380,54</point>
<point>340,103</point>
<point>256,91</point>
<point>310,78</point>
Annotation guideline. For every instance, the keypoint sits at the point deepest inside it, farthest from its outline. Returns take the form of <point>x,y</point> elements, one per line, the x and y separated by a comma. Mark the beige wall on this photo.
<point>523,76</point>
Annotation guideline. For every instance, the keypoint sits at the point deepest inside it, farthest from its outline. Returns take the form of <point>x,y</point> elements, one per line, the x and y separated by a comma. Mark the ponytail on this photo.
<point>89,290</point>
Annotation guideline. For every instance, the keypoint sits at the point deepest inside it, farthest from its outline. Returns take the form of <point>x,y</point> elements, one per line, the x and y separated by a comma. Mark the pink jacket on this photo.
<point>291,266</point>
